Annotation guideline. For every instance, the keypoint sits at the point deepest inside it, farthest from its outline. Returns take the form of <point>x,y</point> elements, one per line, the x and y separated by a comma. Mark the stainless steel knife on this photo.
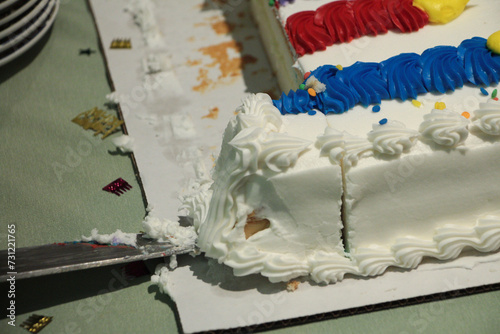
<point>63,257</point>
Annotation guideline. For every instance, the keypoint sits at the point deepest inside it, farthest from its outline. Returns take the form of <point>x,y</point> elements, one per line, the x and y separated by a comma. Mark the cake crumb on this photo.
<point>292,285</point>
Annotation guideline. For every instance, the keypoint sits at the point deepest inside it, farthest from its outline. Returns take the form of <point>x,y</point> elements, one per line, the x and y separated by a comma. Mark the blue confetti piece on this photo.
<point>376,108</point>
<point>383,121</point>
<point>484,92</point>
<point>311,112</point>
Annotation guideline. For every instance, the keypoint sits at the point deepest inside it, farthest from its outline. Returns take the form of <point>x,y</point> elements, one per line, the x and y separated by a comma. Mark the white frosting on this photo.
<point>487,118</point>
<point>392,138</point>
<point>445,127</point>
<point>447,243</point>
<point>397,210</point>
<point>167,230</point>
<point>419,185</point>
<point>268,165</point>
<point>116,238</point>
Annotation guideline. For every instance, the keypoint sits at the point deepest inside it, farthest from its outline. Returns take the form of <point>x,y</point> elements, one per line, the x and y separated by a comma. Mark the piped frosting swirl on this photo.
<point>487,118</point>
<point>405,76</point>
<point>445,127</point>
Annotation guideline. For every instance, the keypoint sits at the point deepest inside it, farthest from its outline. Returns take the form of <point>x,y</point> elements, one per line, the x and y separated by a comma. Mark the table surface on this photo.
<point>51,175</point>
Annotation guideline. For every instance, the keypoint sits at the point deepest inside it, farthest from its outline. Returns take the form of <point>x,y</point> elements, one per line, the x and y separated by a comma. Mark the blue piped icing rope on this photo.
<point>439,69</point>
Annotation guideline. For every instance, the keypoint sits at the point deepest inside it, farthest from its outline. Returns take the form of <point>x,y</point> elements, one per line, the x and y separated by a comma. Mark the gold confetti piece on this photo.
<point>121,43</point>
<point>35,323</point>
<point>97,120</point>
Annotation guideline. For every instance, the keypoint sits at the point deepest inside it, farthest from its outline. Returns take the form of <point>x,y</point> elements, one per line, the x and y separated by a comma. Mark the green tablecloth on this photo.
<point>51,175</point>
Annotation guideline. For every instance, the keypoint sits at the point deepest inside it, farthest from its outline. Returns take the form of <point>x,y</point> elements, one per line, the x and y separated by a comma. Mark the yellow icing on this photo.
<point>493,42</point>
<point>441,11</point>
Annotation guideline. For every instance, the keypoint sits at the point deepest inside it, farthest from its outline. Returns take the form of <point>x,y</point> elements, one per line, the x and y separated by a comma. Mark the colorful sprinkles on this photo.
<point>484,92</point>
<point>383,121</point>
<point>440,106</point>
<point>466,114</point>
<point>416,103</point>
<point>494,94</point>
<point>311,92</point>
<point>311,112</point>
<point>376,108</point>
<point>307,75</point>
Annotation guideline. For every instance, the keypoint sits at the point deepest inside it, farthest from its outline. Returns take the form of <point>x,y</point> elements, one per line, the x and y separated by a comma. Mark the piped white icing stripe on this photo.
<point>447,243</point>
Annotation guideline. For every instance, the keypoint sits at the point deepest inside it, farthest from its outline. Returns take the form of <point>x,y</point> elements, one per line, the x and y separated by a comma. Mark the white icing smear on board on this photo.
<point>169,231</point>
<point>115,238</point>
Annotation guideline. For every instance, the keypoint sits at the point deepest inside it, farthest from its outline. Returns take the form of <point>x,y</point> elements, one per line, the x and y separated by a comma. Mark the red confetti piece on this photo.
<point>117,187</point>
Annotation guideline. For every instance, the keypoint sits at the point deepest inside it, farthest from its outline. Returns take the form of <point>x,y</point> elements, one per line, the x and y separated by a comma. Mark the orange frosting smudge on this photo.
<point>213,113</point>
<point>229,67</point>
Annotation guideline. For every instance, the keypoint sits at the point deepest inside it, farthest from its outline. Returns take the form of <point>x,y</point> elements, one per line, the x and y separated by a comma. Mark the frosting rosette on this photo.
<point>258,110</point>
<point>342,147</point>
<point>487,118</point>
<point>392,138</point>
<point>275,151</point>
<point>445,127</point>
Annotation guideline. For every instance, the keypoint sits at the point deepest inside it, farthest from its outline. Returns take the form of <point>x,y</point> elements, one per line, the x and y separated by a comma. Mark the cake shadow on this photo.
<point>93,286</point>
<point>216,274</point>
<point>16,65</point>
<point>239,24</point>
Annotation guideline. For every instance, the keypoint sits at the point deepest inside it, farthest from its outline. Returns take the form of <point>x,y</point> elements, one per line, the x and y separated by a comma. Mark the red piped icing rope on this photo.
<point>342,21</point>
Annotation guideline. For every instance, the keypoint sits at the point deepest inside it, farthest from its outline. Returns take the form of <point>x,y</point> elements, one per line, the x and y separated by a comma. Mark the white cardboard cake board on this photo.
<point>174,133</point>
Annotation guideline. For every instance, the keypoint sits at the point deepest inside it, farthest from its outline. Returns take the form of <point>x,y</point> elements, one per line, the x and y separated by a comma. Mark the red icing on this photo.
<point>342,21</point>
<point>305,35</point>
<point>338,18</point>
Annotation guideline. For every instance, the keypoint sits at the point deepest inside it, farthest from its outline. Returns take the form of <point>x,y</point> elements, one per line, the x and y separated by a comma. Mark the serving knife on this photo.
<point>64,257</point>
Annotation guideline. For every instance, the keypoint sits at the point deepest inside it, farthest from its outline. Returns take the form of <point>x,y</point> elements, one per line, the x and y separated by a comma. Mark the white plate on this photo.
<point>16,39</point>
<point>18,11</point>
<point>46,23</point>
<point>7,3</point>
<point>42,6</point>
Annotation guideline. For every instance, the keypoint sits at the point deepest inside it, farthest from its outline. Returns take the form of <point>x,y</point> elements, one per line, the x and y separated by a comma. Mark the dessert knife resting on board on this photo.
<point>63,257</point>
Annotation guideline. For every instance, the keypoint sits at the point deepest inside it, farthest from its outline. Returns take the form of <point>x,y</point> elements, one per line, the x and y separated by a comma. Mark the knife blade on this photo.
<point>63,257</point>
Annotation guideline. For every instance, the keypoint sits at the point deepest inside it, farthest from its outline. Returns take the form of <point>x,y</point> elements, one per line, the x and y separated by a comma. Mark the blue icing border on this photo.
<point>439,69</point>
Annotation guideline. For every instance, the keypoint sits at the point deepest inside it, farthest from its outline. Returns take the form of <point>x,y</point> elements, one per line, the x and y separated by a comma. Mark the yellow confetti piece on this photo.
<point>416,103</point>
<point>340,68</point>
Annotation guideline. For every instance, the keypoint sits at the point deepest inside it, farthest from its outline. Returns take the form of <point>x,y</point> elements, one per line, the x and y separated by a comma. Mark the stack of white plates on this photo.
<point>22,24</point>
